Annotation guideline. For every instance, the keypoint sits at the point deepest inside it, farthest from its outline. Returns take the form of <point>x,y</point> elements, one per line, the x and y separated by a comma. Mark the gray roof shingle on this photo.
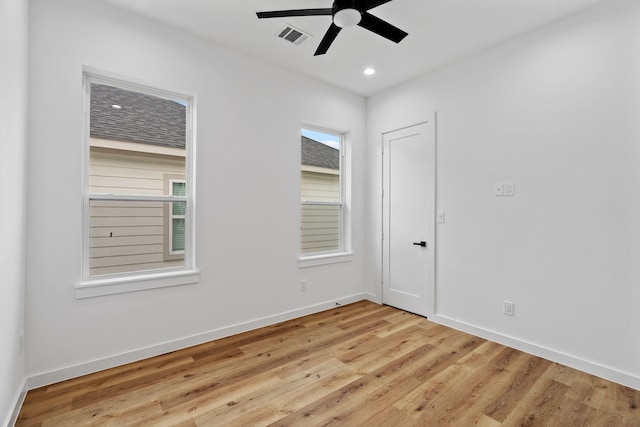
<point>143,118</point>
<point>315,153</point>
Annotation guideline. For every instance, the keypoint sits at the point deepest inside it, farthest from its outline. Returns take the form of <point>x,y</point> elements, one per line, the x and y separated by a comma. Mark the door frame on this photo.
<point>430,308</point>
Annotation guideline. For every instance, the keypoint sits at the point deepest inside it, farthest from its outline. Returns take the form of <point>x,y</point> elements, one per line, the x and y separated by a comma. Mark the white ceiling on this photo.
<point>440,31</point>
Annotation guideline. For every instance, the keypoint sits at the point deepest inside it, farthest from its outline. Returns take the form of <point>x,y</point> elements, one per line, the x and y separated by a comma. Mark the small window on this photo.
<point>174,215</point>
<point>138,188</point>
<point>322,192</point>
<point>178,188</point>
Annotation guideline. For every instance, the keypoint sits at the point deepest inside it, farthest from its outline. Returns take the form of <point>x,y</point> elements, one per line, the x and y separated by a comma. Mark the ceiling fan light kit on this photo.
<point>344,14</point>
<point>347,18</point>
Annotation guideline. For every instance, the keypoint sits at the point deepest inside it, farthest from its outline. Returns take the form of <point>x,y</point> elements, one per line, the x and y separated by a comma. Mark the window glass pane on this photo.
<point>320,228</point>
<point>129,236</point>
<point>178,208</point>
<point>137,148</point>
<point>178,189</point>
<point>177,236</point>
<point>135,139</point>
<point>320,167</point>
<point>320,192</point>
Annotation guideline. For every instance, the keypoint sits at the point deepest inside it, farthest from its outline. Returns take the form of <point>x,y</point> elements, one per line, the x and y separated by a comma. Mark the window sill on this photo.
<point>120,285</point>
<point>325,259</point>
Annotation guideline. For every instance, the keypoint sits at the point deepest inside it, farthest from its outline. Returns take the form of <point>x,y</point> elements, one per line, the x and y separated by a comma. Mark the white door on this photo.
<point>408,200</point>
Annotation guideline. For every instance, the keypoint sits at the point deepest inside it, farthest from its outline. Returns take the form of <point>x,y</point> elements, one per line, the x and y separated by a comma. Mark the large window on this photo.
<point>322,193</point>
<point>138,191</point>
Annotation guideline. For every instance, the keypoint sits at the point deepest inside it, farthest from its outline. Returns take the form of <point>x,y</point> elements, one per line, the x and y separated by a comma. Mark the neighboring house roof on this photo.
<point>315,153</point>
<point>146,119</point>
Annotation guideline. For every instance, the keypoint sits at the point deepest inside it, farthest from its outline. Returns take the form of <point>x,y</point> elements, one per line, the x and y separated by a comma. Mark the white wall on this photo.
<point>248,144</point>
<point>13,145</point>
<point>552,111</point>
<point>557,112</point>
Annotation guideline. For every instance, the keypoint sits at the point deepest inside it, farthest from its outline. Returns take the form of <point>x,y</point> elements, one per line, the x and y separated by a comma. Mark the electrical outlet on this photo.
<point>303,286</point>
<point>509,308</point>
<point>498,189</point>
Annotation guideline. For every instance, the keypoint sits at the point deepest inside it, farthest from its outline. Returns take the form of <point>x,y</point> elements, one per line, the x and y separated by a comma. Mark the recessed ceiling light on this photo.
<point>369,71</point>
<point>116,107</point>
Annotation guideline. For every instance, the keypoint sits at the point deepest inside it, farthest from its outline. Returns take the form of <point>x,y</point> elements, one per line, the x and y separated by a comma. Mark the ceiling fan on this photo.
<point>345,13</point>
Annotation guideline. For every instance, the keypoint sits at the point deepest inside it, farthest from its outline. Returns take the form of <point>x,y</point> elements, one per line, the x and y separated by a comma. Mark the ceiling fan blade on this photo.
<point>370,4</point>
<point>296,12</point>
<point>382,28</point>
<point>328,38</point>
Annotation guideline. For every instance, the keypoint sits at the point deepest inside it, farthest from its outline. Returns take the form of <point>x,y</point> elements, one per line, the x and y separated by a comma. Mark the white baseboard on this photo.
<point>592,368</point>
<point>372,297</point>
<point>65,373</point>
<point>12,417</point>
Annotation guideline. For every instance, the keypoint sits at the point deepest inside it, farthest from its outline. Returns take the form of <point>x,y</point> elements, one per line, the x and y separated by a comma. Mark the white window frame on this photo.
<point>344,252</point>
<point>94,286</point>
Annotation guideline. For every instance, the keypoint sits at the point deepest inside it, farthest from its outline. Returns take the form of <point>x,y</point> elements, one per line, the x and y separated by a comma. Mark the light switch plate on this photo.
<point>509,308</point>
<point>498,189</point>
<point>509,188</point>
<point>440,217</point>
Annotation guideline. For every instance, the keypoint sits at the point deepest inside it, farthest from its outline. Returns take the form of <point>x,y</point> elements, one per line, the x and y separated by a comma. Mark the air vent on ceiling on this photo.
<point>293,35</point>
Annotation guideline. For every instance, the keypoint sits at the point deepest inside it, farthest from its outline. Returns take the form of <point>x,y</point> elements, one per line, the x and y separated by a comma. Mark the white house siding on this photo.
<point>127,173</point>
<point>129,236</point>
<point>320,225</point>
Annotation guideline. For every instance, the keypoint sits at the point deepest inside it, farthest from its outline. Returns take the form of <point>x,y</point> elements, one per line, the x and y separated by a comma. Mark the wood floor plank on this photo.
<point>386,385</point>
<point>506,400</point>
<point>36,408</point>
<point>485,421</point>
<point>394,417</point>
<point>444,391</point>
<point>401,320</point>
<point>468,408</point>
<point>279,395</point>
<point>361,364</point>
<point>366,355</point>
<point>543,398</point>
<point>352,404</point>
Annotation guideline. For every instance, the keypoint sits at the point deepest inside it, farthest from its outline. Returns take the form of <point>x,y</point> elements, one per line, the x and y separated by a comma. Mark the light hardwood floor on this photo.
<point>356,365</point>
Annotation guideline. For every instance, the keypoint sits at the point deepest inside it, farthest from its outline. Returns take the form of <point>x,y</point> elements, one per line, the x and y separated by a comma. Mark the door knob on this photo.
<point>423,244</point>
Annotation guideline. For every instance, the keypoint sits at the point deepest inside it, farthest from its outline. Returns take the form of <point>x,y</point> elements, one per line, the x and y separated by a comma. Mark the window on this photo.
<point>323,222</point>
<point>176,225</point>
<point>174,215</point>
<point>138,186</point>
